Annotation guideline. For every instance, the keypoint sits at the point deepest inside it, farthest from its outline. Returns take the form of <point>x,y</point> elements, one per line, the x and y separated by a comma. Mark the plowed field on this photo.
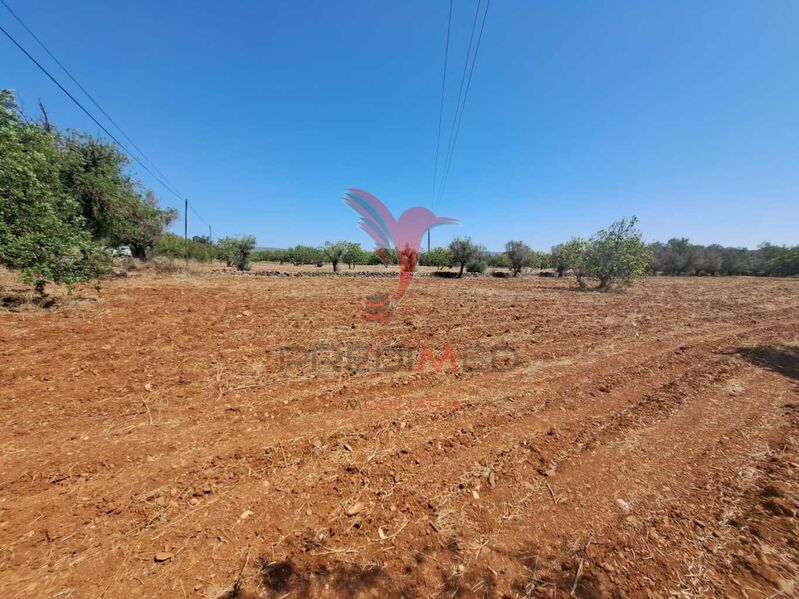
<point>209,436</point>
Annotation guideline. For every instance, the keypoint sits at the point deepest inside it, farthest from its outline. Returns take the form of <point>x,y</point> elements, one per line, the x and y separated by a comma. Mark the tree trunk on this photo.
<point>460,274</point>
<point>335,265</point>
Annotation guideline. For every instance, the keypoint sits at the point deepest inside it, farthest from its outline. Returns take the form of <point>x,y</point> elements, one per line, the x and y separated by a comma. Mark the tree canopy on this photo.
<point>65,199</point>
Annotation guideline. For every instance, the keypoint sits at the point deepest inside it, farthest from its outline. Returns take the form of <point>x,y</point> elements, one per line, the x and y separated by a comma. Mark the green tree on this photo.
<point>573,255</point>
<point>464,251</point>
<point>305,254</point>
<point>42,231</point>
<point>617,255</point>
<point>354,254</point>
<point>236,251</point>
<point>334,251</point>
<point>784,262</point>
<point>558,259</point>
<point>116,211</point>
<point>519,255</point>
<point>171,245</point>
<point>439,257</point>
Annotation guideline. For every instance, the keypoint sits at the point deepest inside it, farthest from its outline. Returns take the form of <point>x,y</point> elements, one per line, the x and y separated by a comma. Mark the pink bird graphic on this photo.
<point>404,234</point>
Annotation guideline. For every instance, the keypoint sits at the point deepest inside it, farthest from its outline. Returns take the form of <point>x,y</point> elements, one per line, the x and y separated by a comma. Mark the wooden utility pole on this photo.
<point>428,240</point>
<point>186,233</point>
<point>210,237</point>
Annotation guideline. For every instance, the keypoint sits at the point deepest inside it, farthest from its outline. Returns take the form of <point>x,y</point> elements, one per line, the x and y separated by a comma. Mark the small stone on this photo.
<point>492,479</point>
<point>355,508</point>
<point>623,506</point>
<point>147,386</point>
<point>163,556</point>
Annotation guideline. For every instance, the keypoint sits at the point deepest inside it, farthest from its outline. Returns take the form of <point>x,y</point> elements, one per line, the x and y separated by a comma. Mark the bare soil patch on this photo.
<point>643,443</point>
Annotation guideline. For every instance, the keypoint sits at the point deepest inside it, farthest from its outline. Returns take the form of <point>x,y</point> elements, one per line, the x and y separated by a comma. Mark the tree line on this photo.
<point>65,199</point>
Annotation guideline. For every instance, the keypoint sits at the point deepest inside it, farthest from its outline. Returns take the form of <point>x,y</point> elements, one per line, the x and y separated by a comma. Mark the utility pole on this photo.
<point>428,240</point>
<point>210,237</point>
<point>186,232</point>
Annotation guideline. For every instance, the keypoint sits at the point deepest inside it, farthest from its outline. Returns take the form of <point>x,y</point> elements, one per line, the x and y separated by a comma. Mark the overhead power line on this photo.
<point>441,106</point>
<point>85,91</point>
<point>197,214</point>
<point>461,105</point>
<point>89,114</point>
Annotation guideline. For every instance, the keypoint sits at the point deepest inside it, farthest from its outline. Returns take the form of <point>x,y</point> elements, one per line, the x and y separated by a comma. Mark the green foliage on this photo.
<point>617,255</point>
<point>784,262</point>
<point>541,260</point>
<point>270,255</point>
<point>236,251</point>
<point>498,261</point>
<point>334,251</point>
<point>354,254</point>
<point>42,231</point>
<point>558,259</point>
<point>574,258</point>
<point>680,257</point>
<point>439,257</point>
<point>64,199</point>
<point>305,254</point>
<point>519,255</point>
<point>476,267</point>
<point>464,251</point>
<point>170,245</point>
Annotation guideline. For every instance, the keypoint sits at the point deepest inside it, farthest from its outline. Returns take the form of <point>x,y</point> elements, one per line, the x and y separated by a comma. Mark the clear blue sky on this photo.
<point>684,113</point>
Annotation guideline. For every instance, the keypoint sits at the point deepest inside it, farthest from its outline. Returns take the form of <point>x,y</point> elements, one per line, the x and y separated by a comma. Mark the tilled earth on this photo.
<point>217,436</point>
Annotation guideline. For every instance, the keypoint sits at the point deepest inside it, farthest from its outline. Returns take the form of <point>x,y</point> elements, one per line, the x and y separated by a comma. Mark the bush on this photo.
<point>439,257</point>
<point>574,257</point>
<point>170,245</point>
<point>477,267</point>
<point>464,251</point>
<point>519,256</point>
<point>785,263</point>
<point>617,255</point>
<point>236,251</point>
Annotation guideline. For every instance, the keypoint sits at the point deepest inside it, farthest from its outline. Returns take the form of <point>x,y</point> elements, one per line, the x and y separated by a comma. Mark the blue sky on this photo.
<point>683,113</point>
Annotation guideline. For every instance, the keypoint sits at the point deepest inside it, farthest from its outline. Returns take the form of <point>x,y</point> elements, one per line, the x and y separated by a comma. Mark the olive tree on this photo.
<point>617,255</point>
<point>236,251</point>
<point>464,251</point>
<point>334,252</point>
<point>519,256</point>
<point>574,258</point>
<point>438,256</point>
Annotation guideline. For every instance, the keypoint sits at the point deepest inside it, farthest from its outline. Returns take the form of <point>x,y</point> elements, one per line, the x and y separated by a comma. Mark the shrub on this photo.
<point>464,251</point>
<point>334,251</point>
<point>439,257</point>
<point>519,256</point>
<point>574,255</point>
<point>617,255</point>
<point>476,267</point>
<point>785,263</point>
<point>237,250</point>
<point>170,245</point>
